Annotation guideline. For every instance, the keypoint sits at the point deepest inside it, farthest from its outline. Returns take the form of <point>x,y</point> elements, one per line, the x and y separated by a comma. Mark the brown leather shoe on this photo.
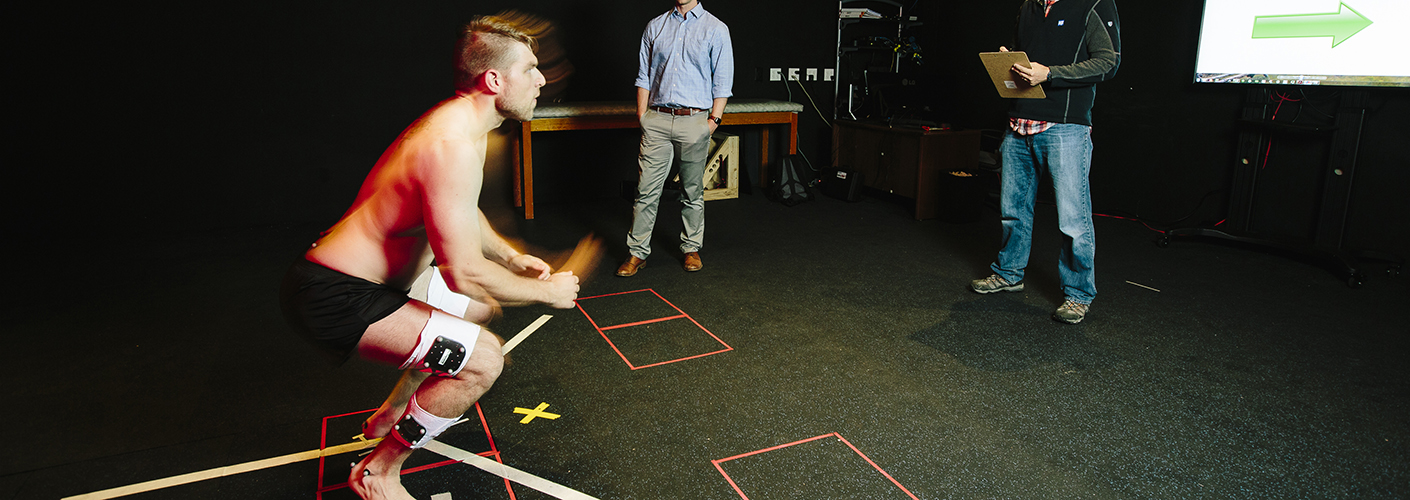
<point>692,262</point>
<point>631,266</point>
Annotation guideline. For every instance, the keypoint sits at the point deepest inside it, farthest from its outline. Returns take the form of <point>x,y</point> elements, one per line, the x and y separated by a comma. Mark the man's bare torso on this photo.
<point>382,238</point>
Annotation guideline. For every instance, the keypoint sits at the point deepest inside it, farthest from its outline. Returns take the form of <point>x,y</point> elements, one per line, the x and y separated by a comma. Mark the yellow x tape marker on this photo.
<point>534,413</point>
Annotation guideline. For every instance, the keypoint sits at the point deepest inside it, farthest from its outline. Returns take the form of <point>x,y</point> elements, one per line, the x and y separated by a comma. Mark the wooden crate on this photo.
<point>722,169</point>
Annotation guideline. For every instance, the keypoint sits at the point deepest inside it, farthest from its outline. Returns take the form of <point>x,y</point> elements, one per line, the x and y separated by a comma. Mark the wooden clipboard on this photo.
<point>998,64</point>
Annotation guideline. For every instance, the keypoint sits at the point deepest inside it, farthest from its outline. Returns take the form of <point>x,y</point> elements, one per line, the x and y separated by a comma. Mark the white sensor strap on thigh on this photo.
<point>418,426</point>
<point>444,346</point>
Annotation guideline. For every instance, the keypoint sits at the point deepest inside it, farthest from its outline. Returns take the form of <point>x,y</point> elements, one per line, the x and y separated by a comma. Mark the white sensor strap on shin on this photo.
<point>444,346</point>
<point>418,426</point>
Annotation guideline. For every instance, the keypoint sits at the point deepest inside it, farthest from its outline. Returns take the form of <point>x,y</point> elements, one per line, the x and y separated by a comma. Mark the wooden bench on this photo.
<point>622,114</point>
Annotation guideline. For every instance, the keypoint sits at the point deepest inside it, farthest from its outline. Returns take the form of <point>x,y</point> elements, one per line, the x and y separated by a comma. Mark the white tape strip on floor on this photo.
<point>1142,286</point>
<point>525,333</point>
<point>223,471</point>
<point>276,461</point>
<point>493,467</point>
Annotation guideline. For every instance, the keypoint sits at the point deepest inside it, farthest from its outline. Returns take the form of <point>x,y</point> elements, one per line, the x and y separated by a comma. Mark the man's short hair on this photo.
<point>486,44</point>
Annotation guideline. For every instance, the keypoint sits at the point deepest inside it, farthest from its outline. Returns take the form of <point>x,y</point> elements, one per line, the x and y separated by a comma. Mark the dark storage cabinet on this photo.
<point>908,162</point>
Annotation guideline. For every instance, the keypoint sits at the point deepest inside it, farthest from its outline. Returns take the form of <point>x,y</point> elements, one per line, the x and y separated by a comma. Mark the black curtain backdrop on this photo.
<point>160,116</point>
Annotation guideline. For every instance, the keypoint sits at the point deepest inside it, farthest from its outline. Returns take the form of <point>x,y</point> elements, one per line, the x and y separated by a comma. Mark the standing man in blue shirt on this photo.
<point>685,76</point>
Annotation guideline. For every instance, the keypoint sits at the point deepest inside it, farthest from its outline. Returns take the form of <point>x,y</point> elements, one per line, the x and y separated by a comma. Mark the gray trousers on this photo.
<point>663,136</point>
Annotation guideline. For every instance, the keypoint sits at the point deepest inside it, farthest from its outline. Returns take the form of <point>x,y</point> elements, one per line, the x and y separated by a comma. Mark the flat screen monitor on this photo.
<point>1364,43</point>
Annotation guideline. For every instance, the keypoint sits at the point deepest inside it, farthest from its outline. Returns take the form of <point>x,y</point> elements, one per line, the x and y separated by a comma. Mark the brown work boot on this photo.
<point>692,262</point>
<point>631,266</point>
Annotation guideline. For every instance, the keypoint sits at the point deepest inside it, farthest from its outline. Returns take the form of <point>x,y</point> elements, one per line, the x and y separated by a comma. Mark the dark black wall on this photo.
<point>159,115</point>
<point>164,116</point>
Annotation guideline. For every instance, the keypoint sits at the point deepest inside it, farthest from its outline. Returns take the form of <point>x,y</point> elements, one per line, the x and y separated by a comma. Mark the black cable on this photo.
<point>1137,217</point>
<point>1311,102</point>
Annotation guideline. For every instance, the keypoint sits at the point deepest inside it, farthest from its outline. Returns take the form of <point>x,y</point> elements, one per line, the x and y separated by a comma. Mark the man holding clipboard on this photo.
<point>1050,129</point>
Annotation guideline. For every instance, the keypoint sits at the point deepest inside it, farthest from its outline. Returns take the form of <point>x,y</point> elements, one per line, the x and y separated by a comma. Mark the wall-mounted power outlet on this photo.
<point>775,74</point>
<point>792,74</point>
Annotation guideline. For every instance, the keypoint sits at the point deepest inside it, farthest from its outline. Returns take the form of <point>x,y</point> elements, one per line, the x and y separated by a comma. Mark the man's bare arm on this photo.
<point>492,245</point>
<point>450,178</point>
<point>499,250</point>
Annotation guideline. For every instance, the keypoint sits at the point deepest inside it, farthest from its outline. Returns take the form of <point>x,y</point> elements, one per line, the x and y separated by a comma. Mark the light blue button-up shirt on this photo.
<point>686,61</point>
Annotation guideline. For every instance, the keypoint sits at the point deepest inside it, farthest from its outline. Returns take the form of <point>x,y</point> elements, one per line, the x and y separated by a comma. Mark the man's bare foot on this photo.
<point>376,485</point>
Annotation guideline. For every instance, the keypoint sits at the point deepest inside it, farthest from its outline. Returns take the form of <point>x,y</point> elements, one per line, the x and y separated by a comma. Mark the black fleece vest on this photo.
<point>1056,40</point>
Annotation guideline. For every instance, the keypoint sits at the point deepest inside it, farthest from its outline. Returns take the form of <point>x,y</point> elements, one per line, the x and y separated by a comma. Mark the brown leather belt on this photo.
<point>678,111</point>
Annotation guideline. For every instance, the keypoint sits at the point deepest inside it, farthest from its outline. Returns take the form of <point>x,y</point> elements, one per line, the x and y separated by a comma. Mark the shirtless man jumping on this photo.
<point>420,203</point>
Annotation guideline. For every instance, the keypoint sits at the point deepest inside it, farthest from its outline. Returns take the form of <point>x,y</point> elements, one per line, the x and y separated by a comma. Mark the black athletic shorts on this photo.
<point>333,309</point>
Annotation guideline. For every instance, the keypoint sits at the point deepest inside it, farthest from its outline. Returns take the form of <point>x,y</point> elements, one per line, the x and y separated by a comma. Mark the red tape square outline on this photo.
<point>323,445</point>
<point>765,450</point>
<point>601,330</point>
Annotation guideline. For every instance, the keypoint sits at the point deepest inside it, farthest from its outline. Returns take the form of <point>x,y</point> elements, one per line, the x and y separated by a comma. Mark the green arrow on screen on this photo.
<point>1339,25</point>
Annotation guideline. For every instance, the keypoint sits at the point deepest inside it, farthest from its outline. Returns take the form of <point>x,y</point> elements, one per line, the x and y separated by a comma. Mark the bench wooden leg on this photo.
<point>528,179</point>
<point>764,157</point>
<point>517,145</point>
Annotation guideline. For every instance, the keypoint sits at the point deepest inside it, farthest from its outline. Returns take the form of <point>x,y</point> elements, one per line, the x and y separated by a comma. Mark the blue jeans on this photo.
<point>1064,150</point>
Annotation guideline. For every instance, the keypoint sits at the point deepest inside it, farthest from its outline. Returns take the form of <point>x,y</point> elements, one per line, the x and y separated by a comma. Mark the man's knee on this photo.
<point>480,313</point>
<point>486,362</point>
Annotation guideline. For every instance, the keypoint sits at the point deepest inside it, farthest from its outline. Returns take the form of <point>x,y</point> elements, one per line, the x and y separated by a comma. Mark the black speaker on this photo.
<point>842,183</point>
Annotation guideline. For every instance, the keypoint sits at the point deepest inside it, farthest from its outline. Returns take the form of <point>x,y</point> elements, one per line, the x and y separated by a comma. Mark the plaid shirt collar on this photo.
<point>1048,6</point>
